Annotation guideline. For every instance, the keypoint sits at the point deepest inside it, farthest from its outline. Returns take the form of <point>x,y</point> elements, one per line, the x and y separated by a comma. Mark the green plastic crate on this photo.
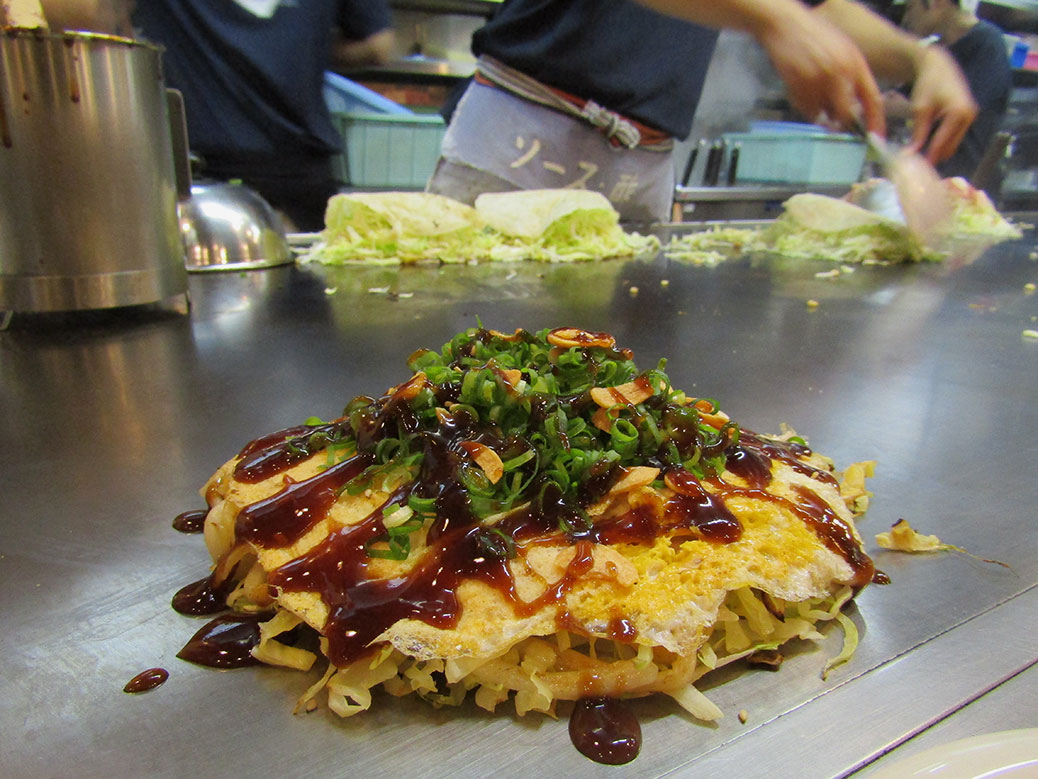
<point>386,151</point>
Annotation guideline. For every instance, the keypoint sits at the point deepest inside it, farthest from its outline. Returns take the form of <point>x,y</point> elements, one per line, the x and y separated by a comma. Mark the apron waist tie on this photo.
<point>618,129</point>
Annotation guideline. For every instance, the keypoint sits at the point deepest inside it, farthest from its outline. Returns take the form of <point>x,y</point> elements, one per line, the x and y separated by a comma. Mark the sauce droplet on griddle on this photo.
<point>605,730</point>
<point>146,680</point>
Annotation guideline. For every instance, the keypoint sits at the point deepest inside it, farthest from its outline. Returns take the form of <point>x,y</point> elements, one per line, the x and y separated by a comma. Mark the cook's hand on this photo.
<point>824,71</point>
<point>942,105</point>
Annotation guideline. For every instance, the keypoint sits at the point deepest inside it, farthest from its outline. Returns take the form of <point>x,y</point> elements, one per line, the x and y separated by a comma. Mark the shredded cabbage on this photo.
<point>274,652</point>
<point>871,243</point>
<point>697,704</point>
<point>902,537</point>
<point>973,213</point>
<point>581,235</point>
<point>850,643</point>
<point>357,233</point>
<point>542,670</point>
<point>714,245</point>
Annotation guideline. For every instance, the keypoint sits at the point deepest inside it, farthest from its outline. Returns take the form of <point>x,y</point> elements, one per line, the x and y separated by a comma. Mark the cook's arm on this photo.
<point>824,72</point>
<point>373,50</point>
<point>824,56</point>
<point>941,102</point>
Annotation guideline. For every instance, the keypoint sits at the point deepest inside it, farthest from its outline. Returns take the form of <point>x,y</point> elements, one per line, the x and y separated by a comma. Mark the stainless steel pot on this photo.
<point>88,198</point>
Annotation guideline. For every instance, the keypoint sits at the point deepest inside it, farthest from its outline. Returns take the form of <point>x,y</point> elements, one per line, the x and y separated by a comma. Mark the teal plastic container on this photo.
<point>805,157</point>
<point>388,151</point>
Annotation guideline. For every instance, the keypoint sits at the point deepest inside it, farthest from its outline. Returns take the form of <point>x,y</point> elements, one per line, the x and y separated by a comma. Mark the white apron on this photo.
<point>498,141</point>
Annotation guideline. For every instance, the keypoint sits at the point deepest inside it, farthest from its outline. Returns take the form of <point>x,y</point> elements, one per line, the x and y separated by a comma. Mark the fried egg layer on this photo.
<point>667,592</point>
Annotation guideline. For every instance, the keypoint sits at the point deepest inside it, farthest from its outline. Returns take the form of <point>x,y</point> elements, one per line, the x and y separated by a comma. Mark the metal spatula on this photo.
<point>917,188</point>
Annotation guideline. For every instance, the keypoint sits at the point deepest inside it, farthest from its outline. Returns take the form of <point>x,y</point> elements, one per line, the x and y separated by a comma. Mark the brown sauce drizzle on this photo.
<point>190,521</point>
<point>637,526</point>
<point>264,443</point>
<point>360,609</point>
<point>826,524</point>
<point>285,517</point>
<point>621,629</point>
<point>605,730</point>
<point>277,452</point>
<point>693,507</point>
<point>146,680</point>
<point>835,534</point>
<point>226,642</point>
<point>749,459</point>
<point>752,466</point>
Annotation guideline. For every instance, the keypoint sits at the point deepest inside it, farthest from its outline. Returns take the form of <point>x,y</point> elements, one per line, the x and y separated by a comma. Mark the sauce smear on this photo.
<point>226,642</point>
<point>203,597</point>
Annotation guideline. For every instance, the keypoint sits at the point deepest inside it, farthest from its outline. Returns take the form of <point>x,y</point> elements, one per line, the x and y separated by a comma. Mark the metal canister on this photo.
<point>88,197</point>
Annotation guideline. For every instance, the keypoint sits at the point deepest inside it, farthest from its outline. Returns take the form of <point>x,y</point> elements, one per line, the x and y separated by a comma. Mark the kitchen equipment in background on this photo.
<point>1017,50</point>
<point>714,160</point>
<point>776,154</point>
<point>22,13</point>
<point>787,153</point>
<point>748,175</point>
<point>388,151</point>
<point>740,205</point>
<point>386,145</point>
<point>690,165</point>
<point>227,226</point>
<point>88,214</point>
<point>719,166</point>
<point>342,96</point>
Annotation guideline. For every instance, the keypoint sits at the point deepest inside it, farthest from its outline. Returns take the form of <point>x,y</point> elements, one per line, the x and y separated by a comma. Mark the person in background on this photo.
<point>591,93</point>
<point>978,48</point>
<point>252,74</point>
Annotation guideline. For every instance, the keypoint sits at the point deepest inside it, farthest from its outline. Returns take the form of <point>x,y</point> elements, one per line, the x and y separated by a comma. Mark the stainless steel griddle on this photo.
<point>113,420</point>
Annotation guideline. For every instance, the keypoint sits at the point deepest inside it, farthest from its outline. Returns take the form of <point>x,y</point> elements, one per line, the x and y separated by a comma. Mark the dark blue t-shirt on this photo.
<point>253,86</point>
<point>982,56</point>
<point>622,55</point>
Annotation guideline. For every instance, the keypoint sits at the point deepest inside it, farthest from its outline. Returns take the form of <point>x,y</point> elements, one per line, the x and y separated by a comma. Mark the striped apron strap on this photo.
<point>615,127</point>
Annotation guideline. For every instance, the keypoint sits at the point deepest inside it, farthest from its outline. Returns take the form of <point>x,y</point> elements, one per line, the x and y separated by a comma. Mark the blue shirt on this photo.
<point>622,55</point>
<point>982,56</point>
<point>253,86</point>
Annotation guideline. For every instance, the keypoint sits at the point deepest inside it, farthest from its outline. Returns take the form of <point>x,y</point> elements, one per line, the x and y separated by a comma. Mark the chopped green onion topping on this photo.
<point>528,400</point>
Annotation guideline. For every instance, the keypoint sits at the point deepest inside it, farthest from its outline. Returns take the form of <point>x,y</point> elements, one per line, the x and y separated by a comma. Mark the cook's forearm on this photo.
<point>376,49</point>
<point>893,55</point>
